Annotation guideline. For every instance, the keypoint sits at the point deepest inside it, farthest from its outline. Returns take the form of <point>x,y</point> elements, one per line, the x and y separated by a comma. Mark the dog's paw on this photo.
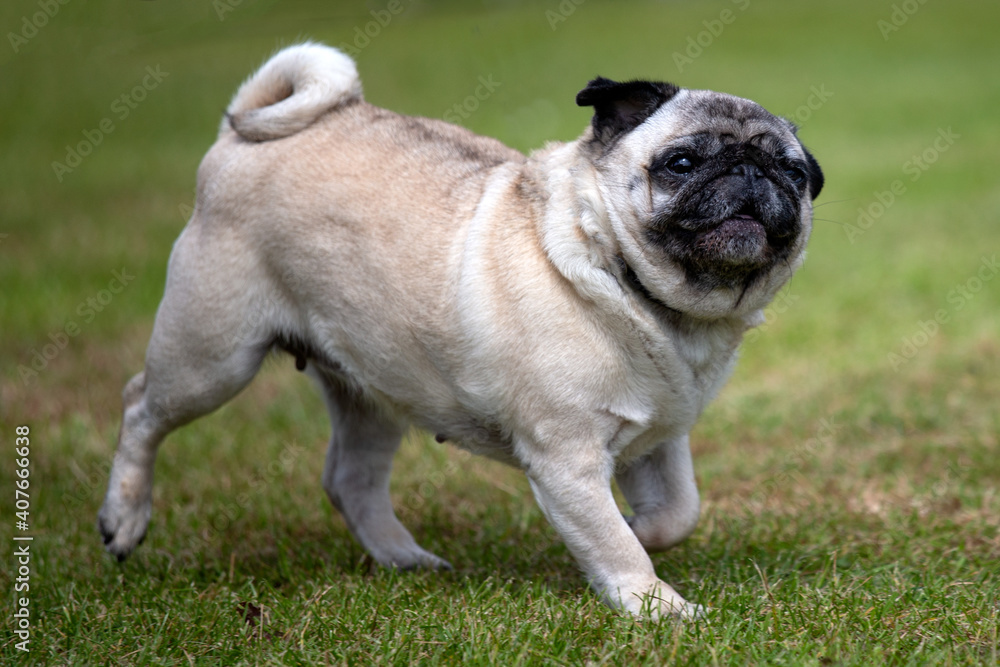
<point>411,558</point>
<point>122,531</point>
<point>656,601</point>
<point>656,608</point>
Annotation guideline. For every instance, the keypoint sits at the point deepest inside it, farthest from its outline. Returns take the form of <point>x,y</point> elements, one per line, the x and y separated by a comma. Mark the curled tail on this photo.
<point>294,88</point>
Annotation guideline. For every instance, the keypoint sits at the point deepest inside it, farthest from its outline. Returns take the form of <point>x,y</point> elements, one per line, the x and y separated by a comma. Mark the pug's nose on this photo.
<point>747,170</point>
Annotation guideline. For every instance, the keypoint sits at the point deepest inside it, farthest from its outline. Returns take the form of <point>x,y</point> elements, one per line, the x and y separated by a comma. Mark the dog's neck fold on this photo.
<point>589,254</point>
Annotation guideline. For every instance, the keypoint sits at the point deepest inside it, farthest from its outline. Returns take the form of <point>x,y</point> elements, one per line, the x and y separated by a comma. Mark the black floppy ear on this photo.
<point>620,107</point>
<point>816,179</point>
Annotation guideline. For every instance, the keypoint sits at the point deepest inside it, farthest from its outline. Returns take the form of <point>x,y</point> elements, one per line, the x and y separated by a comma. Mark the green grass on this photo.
<point>850,514</point>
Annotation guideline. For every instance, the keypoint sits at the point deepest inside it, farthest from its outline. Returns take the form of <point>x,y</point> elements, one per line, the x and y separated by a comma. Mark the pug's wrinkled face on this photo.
<point>717,204</point>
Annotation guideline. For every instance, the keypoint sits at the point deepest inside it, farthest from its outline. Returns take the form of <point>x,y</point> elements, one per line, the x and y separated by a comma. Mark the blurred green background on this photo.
<point>891,330</point>
<point>868,100</point>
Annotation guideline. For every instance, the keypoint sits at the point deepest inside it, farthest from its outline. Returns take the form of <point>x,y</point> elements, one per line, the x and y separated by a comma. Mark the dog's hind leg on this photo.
<point>208,342</point>
<point>356,478</point>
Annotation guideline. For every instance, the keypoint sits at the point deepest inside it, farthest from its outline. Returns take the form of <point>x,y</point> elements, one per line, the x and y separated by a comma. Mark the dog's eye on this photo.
<point>681,164</point>
<point>796,175</point>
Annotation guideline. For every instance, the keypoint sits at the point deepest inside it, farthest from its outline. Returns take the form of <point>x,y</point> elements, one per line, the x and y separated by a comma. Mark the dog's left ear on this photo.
<point>620,107</point>
<point>816,179</point>
<point>815,175</point>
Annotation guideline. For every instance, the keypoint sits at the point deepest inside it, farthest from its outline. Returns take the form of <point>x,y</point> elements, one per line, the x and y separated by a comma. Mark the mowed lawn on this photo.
<point>849,471</point>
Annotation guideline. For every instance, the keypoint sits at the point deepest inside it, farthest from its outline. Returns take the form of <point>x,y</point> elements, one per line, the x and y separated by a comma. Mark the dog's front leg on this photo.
<point>574,493</point>
<point>661,490</point>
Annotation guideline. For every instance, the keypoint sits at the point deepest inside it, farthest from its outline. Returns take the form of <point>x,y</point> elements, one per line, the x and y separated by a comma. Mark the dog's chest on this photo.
<point>672,385</point>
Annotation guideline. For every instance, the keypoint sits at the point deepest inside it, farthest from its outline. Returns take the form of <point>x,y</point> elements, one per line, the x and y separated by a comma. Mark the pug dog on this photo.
<point>570,312</point>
